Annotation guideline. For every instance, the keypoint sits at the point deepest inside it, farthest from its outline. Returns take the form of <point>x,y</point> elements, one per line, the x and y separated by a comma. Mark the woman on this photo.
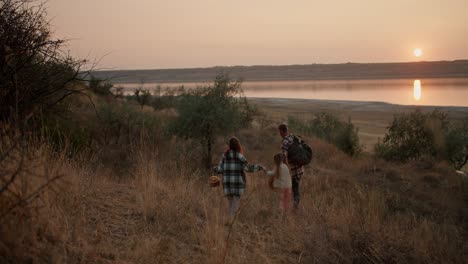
<point>233,166</point>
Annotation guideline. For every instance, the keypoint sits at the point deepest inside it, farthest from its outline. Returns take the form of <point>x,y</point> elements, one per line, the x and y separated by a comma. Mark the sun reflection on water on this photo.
<point>417,90</point>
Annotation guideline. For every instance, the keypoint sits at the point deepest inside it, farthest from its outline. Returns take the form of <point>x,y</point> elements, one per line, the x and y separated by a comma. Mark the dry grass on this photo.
<point>353,210</point>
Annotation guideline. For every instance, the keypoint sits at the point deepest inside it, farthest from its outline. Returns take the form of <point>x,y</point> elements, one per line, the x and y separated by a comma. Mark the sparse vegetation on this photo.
<point>36,76</point>
<point>207,113</point>
<point>36,80</point>
<point>330,128</point>
<point>100,87</point>
<point>143,96</point>
<point>456,142</point>
<point>117,181</point>
<point>163,210</point>
<point>417,135</point>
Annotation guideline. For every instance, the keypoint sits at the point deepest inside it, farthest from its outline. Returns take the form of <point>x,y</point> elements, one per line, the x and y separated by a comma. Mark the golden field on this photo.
<point>162,210</point>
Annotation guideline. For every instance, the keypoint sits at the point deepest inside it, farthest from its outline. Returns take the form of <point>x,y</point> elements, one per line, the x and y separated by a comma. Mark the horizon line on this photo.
<point>276,65</point>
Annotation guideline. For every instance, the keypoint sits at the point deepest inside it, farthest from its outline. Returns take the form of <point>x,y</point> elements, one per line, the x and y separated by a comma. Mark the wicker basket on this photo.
<point>215,181</point>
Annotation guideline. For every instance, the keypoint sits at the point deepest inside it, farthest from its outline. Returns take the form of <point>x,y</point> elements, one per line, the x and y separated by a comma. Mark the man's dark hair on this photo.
<point>283,128</point>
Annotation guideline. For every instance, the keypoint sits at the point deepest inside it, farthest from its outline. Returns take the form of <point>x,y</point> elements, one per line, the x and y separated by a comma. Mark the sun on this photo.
<point>418,52</point>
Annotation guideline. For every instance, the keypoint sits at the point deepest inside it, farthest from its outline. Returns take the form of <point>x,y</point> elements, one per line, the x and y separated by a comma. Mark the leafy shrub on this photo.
<point>123,122</point>
<point>456,143</point>
<point>100,87</point>
<point>67,134</point>
<point>167,98</point>
<point>331,129</point>
<point>415,135</point>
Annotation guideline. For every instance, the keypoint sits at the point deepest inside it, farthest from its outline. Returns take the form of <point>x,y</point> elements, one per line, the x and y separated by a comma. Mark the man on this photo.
<point>296,170</point>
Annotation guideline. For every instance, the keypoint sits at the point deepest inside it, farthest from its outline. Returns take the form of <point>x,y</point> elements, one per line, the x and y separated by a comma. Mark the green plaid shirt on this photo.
<point>233,166</point>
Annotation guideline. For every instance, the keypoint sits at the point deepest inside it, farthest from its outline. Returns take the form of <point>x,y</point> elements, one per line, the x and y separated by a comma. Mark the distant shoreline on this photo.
<point>301,80</point>
<point>319,72</point>
<point>361,104</point>
<point>371,118</point>
<point>298,80</point>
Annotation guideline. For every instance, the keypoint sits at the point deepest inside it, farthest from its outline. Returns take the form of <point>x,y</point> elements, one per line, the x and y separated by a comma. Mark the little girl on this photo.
<point>281,181</point>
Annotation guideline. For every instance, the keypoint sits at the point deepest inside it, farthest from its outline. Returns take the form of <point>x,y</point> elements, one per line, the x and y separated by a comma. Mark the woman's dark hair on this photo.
<point>235,145</point>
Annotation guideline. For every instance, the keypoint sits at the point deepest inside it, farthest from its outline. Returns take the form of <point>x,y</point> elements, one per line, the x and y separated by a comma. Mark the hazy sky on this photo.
<point>147,34</point>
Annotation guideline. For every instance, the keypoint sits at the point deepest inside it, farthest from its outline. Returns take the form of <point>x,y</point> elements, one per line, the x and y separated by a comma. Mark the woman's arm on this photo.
<point>249,167</point>
<point>219,169</point>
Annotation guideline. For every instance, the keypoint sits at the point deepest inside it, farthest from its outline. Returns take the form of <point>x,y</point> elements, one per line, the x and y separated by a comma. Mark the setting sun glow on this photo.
<point>417,90</point>
<point>418,52</point>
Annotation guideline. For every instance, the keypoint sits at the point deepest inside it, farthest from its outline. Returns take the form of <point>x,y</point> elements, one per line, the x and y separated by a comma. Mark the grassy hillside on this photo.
<point>433,69</point>
<point>89,176</point>
<point>158,207</point>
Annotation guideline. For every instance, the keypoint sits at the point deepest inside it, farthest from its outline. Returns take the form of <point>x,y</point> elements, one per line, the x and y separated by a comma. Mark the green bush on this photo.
<point>112,122</point>
<point>331,129</point>
<point>456,142</point>
<point>415,135</point>
<point>166,99</point>
<point>65,133</point>
<point>100,87</point>
<point>124,122</point>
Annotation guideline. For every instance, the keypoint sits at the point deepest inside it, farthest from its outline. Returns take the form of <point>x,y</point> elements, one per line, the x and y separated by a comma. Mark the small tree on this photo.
<point>206,113</point>
<point>142,96</point>
<point>100,87</point>
<point>414,135</point>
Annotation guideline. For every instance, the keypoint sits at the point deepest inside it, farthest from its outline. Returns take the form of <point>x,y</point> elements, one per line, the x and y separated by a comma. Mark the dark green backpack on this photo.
<point>299,153</point>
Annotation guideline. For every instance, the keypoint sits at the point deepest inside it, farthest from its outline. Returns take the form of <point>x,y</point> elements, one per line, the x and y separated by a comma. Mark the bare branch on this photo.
<point>33,195</point>
<point>14,174</point>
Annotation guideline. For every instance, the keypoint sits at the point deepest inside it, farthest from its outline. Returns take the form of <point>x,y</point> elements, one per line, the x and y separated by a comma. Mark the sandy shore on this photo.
<point>372,118</point>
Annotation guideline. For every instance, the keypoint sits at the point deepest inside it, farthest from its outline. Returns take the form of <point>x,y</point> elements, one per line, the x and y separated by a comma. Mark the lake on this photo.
<point>436,92</point>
